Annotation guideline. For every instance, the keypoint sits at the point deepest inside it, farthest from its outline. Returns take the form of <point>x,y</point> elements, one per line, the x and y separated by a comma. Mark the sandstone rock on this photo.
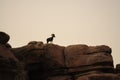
<point>7,64</point>
<point>6,53</point>
<point>42,57</point>
<point>118,68</point>
<point>102,76</point>
<point>4,38</point>
<point>76,49</point>
<point>8,45</point>
<point>83,58</point>
<point>35,44</point>
<point>56,54</point>
<point>34,51</point>
<point>30,53</point>
<point>100,48</point>
<point>75,62</point>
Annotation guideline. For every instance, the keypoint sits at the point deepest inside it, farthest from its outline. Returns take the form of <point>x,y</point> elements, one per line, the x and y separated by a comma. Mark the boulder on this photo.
<point>39,61</point>
<point>4,38</point>
<point>117,70</point>
<point>55,54</point>
<point>84,58</point>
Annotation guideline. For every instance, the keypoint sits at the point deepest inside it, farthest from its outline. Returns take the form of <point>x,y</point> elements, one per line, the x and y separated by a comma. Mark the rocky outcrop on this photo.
<point>39,61</point>
<point>117,68</point>
<point>8,61</point>
<point>84,58</point>
<point>8,65</point>
<point>52,61</point>
<point>4,38</point>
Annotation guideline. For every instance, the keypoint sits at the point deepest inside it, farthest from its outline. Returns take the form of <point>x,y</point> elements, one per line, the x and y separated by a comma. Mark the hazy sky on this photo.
<point>91,22</point>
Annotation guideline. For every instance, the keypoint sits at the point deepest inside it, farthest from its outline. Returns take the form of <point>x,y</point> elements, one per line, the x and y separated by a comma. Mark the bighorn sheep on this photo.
<point>50,39</point>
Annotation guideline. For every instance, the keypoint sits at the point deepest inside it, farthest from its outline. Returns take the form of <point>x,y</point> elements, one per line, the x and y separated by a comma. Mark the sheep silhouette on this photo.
<point>50,39</point>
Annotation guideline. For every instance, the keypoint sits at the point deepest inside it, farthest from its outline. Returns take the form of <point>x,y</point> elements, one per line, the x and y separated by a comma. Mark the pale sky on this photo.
<point>90,22</point>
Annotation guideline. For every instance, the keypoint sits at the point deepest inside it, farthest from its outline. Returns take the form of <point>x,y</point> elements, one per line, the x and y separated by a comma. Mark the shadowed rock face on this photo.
<point>38,61</point>
<point>96,76</point>
<point>7,59</point>
<point>117,69</point>
<point>6,53</point>
<point>4,38</point>
<point>7,64</point>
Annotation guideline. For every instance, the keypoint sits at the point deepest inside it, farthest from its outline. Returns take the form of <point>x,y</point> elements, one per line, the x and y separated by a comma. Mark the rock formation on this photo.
<point>4,38</point>
<point>39,61</point>
<point>7,64</point>
<point>118,68</point>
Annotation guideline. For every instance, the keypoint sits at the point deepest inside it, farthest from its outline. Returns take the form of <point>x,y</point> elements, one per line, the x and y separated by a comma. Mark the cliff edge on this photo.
<point>39,61</point>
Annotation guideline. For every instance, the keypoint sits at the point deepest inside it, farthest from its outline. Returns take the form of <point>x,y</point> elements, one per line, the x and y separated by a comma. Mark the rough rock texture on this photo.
<point>8,65</point>
<point>83,58</point>
<point>38,61</point>
<point>6,53</point>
